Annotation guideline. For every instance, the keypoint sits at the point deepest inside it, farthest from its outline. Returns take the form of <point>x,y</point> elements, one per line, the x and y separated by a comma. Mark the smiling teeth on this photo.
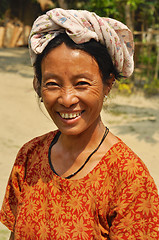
<point>70,115</point>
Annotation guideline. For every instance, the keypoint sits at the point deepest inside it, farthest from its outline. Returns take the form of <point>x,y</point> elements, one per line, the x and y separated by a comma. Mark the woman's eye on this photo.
<point>49,84</point>
<point>82,83</point>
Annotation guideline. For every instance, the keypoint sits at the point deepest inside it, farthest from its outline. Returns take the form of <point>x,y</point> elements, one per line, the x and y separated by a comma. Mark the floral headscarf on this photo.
<point>81,26</point>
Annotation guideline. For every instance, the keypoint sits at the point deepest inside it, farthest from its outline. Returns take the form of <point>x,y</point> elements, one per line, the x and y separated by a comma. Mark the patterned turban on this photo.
<point>81,26</point>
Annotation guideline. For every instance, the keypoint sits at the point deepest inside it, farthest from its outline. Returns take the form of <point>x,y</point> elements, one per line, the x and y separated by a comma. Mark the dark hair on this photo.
<point>98,51</point>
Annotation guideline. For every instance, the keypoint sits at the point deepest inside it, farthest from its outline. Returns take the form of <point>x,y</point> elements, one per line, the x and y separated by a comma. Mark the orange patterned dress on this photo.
<point>116,200</point>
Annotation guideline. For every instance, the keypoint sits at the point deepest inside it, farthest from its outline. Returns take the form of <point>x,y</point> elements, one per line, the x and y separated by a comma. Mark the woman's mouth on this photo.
<point>70,115</point>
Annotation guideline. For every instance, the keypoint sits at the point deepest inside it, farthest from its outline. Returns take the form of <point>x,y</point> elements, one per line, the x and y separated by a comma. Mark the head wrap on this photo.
<point>81,26</point>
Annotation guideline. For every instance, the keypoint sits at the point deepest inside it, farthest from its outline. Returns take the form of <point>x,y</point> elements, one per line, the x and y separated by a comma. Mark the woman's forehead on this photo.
<point>62,61</point>
<point>64,55</point>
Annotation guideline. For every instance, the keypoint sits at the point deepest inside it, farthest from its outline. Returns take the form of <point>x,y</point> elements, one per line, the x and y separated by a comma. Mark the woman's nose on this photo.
<point>68,98</point>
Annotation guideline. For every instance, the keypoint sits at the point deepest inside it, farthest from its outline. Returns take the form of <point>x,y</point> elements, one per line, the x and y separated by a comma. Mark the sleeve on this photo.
<point>134,213</point>
<point>9,207</point>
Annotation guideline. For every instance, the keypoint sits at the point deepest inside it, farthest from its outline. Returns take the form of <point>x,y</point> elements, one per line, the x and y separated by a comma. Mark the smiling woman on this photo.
<point>80,181</point>
<point>72,85</point>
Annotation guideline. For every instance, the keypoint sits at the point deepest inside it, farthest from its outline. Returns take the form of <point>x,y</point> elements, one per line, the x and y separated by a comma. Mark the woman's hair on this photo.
<point>98,51</point>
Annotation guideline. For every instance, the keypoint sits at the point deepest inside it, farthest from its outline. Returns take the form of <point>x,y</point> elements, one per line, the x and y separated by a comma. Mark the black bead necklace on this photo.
<point>73,174</point>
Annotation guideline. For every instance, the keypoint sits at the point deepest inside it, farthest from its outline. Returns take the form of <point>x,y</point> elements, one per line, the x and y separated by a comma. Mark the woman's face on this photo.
<point>72,89</point>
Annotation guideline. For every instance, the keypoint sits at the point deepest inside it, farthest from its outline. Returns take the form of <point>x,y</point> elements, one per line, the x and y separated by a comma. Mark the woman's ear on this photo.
<point>109,83</point>
<point>37,86</point>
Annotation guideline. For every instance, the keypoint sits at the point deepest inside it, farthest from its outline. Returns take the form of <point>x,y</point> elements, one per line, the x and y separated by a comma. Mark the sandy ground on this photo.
<point>134,119</point>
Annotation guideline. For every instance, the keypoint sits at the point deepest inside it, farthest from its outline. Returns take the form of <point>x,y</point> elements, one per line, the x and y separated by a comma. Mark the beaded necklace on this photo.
<point>73,174</point>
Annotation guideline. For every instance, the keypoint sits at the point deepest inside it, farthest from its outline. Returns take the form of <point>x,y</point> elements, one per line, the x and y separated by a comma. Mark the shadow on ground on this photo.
<point>15,60</point>
<point>134,120</point>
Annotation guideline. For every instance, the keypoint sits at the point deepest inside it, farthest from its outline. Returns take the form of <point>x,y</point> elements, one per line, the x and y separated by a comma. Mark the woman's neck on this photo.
<point>87,139</point>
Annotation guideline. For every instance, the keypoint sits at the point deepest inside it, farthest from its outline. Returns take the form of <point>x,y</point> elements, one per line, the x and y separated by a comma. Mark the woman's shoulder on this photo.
<point>42,139</point>
<point>35,144</point>
<point>125,162</point>
<point>120,153</point>
<point>122,167</point>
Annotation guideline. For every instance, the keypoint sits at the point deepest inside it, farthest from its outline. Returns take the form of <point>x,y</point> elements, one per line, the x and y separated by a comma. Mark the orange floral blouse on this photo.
<point>117,200</point>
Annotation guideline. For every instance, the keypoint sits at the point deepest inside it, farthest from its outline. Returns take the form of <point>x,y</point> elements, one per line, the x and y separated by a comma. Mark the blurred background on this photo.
<point>141,16</point>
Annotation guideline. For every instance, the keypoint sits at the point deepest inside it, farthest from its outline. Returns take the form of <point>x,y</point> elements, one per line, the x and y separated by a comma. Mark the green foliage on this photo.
<point>144,10</point>
<point>147,12</point>
<point>125,86</point>
<point>147,56</point>
<point>145,77</point>
<point>103,8</point>
<point>4,4</point>
<point>135,3</point>
<point>125,89</point>
<point>152,88</point>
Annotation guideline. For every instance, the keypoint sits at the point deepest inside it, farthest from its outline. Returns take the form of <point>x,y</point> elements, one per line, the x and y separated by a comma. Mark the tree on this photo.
<point>45,4</point>
<point>132,12</point>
